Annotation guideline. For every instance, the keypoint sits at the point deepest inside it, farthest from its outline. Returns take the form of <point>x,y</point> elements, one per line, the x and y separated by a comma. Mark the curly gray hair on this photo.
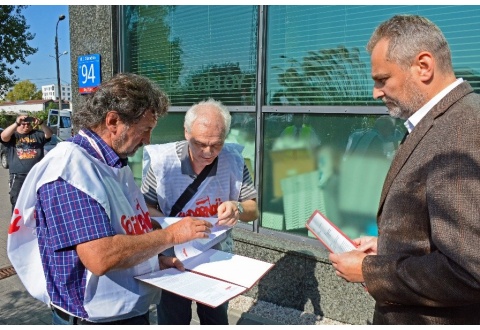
<point>129,94</point>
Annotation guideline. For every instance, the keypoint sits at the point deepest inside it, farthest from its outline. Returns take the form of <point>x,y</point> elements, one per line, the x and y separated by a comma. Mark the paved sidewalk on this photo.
<point>17,307</point>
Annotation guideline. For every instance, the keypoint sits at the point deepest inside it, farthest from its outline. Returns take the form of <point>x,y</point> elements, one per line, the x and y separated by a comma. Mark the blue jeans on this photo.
<point>176,310</point>
<point>72,320</point>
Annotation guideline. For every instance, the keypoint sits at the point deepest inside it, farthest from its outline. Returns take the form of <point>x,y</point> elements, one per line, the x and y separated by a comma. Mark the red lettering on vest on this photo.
<point>145,217</point>
<point>137,224</point>
<point>14,225</point>
<point>203,201</point>
<point>205,211</point>
<point>126,225</point>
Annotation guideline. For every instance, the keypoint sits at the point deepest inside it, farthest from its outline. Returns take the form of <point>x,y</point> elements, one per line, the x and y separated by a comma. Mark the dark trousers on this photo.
<point>176,310</point>
<point>15,182</point>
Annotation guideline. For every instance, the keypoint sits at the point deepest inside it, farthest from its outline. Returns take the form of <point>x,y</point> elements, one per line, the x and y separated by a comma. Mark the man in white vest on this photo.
<point>227,191</point>
<point>81,230</point>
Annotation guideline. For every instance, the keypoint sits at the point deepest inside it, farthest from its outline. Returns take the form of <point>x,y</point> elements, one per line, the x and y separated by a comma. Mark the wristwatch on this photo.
<point>240,208</point>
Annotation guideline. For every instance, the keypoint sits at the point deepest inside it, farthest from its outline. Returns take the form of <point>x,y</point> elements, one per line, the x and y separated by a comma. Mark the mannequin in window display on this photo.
<point>328,159</point>
<point>298,135</point>
<point>293,153</point>
<point>366,160</point>
<point>381,140</point>
<point>241,133</point>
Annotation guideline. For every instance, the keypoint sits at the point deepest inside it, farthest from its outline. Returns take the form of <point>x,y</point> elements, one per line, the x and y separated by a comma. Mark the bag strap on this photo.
<point>191,189</point>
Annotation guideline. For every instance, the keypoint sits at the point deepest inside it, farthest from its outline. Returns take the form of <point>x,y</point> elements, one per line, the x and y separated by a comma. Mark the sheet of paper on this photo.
<point>229,267</point>
<point>195,247</point>
<point>329,234</point>
<point>196,287</point>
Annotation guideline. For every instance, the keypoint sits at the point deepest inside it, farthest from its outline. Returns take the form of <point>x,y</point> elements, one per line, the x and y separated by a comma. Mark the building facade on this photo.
<point>280,70</point>
<point>49,92</point>
<point>24,107</point>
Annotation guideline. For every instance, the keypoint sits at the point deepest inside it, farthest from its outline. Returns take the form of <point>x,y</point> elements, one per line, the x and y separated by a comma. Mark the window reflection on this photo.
<point>339,172</point>
<point>242,131</point>
<point>195,52</point>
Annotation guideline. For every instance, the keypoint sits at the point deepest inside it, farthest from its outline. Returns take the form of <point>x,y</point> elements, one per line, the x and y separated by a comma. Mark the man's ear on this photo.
<point>425,65</point>
<point>112,119</point>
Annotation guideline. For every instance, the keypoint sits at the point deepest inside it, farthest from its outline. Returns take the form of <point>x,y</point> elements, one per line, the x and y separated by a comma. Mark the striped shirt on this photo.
<point>66,217</point>
<point>149,184</point>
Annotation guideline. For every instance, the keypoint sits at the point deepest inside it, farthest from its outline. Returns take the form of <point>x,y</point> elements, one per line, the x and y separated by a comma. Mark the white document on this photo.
<point>228,267</point>
<point>329,234</point>
<point>195,247</point>
<point>193,286</point>
<point>212,277</point>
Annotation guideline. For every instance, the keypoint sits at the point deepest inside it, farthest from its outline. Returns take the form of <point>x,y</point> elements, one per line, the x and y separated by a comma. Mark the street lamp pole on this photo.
<point>57,56</point>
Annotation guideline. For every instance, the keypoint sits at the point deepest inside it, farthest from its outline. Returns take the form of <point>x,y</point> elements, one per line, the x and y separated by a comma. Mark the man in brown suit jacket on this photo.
<point>424,268</point>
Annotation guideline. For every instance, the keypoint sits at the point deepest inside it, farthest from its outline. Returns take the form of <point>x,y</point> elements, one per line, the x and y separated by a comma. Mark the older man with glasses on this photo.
<point>24,149</point>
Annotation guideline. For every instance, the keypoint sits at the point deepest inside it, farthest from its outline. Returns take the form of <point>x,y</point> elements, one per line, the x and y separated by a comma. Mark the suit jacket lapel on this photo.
<point>414,138</point>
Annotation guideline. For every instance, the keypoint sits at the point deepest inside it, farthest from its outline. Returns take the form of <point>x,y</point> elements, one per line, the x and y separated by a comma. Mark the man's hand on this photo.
<point>20,119</point>
<point>367,244</point>
<point>169,262</point>
<point>228,214</point>
<point>348,265</point>
<point>189,229</point>
<point>37,121</point>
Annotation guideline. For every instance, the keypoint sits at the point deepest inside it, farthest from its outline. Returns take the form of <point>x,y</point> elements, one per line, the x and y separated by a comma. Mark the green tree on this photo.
<point>24,90</point>
<point>14,47</point>
<point>6,120</point>
<point>37,95</point>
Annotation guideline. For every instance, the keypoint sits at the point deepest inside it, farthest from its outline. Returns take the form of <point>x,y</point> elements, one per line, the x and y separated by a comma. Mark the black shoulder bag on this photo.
<point>191,189</point>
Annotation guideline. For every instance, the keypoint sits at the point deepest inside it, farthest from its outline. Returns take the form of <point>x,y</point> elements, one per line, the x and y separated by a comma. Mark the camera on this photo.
<point>29,120</point>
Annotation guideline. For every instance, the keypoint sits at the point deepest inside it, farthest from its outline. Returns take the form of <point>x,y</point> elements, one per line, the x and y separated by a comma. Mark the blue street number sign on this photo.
<point>89,75</point>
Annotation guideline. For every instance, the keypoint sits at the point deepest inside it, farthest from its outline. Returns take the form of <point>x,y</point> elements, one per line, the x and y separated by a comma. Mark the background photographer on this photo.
<point>24,149</point>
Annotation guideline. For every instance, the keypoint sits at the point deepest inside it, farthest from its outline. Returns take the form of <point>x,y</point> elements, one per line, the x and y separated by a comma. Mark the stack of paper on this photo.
<point>212,277</point>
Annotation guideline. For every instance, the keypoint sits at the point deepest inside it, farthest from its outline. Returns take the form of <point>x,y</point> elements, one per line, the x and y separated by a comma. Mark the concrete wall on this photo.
<point>22,108</point>
<point>302,278</point>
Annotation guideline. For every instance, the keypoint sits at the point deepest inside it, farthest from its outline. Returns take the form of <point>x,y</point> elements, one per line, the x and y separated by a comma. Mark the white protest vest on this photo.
<point>213,191</point>
<point>117,294</point>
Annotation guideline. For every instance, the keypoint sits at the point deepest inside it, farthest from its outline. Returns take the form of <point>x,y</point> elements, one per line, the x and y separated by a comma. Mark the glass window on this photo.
<point>65,122</point>
<point>315,59</point>
<point>194,52</point>
<point>316,54</point>
<point>333,163</point>
<point>242,131</point>
<point>168,129</point>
